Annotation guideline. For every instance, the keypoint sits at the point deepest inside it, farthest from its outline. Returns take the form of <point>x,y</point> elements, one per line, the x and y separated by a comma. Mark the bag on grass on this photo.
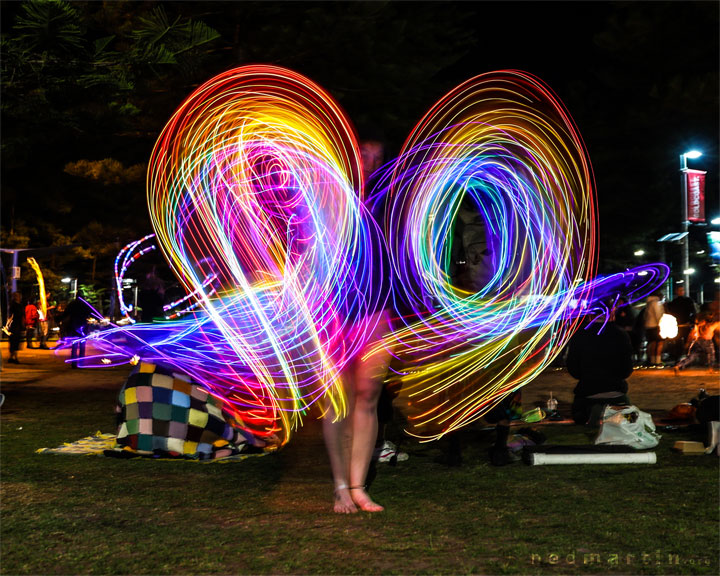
<point>627,426</point>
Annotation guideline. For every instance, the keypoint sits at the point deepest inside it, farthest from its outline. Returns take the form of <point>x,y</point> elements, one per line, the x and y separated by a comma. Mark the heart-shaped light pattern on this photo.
<point>254,183</point>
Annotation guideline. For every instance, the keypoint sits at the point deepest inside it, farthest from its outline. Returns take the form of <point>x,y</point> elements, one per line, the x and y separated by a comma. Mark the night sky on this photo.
<point>630,74</point>
<point>639,78</point>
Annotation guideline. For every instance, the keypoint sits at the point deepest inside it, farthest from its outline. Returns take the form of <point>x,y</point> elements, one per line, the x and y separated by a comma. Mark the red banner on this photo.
<point>695,195</point>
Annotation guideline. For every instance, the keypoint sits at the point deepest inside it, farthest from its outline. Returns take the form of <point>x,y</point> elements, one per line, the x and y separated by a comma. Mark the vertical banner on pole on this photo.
<point>695,195</point>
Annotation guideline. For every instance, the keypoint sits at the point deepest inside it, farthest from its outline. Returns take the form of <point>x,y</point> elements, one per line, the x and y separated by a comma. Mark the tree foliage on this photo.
<point>78,120</point>
<point>87,86</point>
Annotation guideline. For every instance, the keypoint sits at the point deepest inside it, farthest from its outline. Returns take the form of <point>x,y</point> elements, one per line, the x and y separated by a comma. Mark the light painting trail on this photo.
<point>254,182</point>
<point>255,194</point>
<point>123,261</point>
<point>128,256</point>
<point>504,145</point>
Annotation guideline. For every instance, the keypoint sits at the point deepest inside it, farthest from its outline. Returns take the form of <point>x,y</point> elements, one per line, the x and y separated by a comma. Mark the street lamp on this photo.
<point>73,285</point>
<point>692,154</point>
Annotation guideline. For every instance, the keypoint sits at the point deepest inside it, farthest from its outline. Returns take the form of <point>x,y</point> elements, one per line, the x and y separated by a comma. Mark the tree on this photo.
<point>77,108</point>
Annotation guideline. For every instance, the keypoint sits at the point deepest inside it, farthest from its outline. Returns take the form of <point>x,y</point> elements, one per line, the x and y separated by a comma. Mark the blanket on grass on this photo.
<point>89,446</point>
<point>100,444</point>
<point>163,414</point>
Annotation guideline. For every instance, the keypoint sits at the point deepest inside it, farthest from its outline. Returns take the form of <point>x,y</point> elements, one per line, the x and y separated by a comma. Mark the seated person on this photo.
<point>702,347</point>
<point>600,357</point>
<point>501,415</point>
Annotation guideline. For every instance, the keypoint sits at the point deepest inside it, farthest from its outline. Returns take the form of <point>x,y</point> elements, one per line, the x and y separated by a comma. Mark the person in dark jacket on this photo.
<point>600,357</point>
<point>626,319</point>
<point>17,326</point>
<point>684,309</point>
<point>74,325</point>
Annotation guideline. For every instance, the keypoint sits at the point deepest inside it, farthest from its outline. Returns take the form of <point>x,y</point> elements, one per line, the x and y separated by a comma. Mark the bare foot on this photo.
<point>363,500</point>
<point>343,502</point>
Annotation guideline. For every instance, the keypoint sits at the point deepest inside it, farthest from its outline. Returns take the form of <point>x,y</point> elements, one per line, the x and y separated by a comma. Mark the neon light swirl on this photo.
<point>254,181</point>
<point>254,184</point>
<point>128,256</point>
<point>123,261</point>
<point>503,146</point>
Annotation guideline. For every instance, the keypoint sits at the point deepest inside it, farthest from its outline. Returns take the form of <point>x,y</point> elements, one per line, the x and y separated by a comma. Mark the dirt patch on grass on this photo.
<point>25,494</point>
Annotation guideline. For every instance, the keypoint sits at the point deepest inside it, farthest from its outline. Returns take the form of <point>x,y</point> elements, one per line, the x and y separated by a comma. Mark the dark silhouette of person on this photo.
<point>151,297</point>
<point>684,309</point>
<point>626,318</point>
<point>600,357</point>
<point>16,327</point>
<point>74,325</point>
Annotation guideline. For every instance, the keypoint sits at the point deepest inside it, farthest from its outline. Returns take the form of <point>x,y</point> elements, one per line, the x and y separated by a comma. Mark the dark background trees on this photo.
<point>87,87</point>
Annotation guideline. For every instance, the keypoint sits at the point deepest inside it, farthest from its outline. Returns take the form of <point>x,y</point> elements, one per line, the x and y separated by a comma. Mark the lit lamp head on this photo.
<point>692,154</point>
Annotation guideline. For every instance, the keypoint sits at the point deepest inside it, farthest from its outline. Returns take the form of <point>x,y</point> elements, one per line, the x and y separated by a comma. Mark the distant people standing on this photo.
<point>711,311</point>
<point>702,347</point>
<point>151,297</point>
<point>684,309</point>
<point>16,326</point>
<point>625,319</point>
<point>60,318</point>
<point>31,322</point>
<point>654,310</point>
<point>74,325</point>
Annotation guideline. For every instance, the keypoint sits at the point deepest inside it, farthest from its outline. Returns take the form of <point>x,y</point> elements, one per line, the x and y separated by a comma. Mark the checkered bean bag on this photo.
<point>164,414</point>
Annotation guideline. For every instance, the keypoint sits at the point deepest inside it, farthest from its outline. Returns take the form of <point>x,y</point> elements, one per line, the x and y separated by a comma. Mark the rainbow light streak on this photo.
<point>206,288</point>
<point>128,256</point>
<point>123,261</point>
<point>506,141</point>
<point>254,181</point>
<point>253,192</point>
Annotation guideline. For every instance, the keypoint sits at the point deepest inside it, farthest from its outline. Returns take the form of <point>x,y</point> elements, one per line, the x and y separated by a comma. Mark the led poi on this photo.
<point>254,182</point>
<point>503,146</point>
<point>255,194</point>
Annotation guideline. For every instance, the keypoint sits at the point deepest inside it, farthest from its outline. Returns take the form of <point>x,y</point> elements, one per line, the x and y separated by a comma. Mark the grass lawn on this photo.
<point>272,514</point>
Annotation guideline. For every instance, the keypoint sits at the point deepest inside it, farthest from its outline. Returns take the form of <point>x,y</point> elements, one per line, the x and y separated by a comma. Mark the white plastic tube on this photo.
<point>540,459</point>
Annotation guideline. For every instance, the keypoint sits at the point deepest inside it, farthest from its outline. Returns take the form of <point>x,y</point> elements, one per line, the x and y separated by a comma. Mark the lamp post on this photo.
<point>73,285</point>
<point>685,223</point>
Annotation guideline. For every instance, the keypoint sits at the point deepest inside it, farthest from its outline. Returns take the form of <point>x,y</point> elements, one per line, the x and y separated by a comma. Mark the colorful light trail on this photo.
<point>255,193</point>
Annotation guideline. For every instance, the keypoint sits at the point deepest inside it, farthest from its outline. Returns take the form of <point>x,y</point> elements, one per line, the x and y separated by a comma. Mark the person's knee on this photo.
<point>367,396</point>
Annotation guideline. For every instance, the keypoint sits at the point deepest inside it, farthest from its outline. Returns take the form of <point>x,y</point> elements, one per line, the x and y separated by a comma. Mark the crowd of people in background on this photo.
<point>697,342</point>
<point>698,327</point>
<point>604,352</point>
<point>29,321</point>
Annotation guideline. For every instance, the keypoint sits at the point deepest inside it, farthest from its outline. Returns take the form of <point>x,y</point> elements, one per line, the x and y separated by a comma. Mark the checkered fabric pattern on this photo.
<point>164,414</point>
